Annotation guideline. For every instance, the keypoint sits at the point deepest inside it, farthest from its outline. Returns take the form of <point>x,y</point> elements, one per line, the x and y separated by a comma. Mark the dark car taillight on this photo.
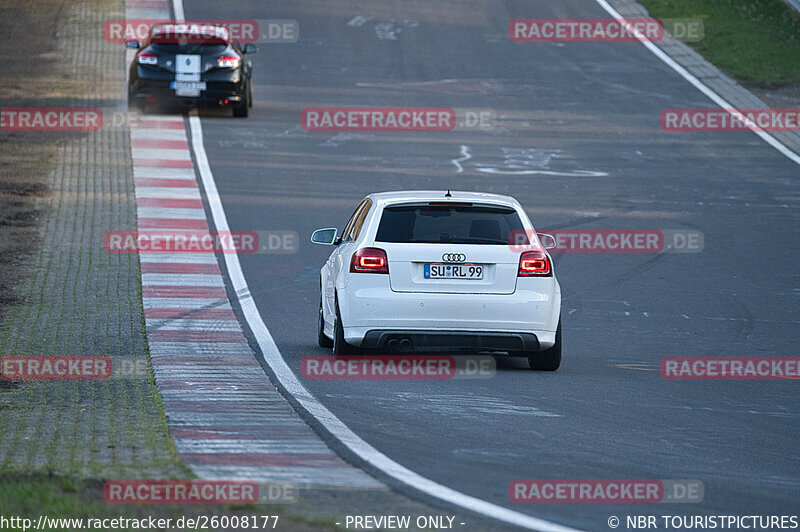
<point>369,260</point>
<point>147,58</point>
<point>534,264</point>
<point>229,61</point>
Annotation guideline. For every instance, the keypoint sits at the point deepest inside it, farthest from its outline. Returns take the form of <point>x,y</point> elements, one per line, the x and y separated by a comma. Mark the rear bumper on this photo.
<point>526,320</point>
<point>449,340</point>
<point>216,92</point>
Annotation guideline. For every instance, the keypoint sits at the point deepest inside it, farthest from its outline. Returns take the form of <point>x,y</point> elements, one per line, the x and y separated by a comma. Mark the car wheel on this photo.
<point>549,359</point>
<point>250,94</point>
<point>340,347</point>
<point>322,340</point>
<point>242,109</point>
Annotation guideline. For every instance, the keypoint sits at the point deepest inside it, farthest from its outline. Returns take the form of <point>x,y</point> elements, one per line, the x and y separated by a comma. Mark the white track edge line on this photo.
<point>699,85</point>
<point>310,403</point>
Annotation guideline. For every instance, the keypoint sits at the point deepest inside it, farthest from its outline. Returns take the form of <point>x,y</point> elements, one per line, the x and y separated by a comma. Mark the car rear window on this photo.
<point>447,224</point>
<point>188,48</point>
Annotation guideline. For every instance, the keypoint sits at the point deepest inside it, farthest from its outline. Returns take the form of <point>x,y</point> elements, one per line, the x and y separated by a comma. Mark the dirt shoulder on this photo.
<point>776,97</point>
<point>62,294</point>
<point>30,59</point>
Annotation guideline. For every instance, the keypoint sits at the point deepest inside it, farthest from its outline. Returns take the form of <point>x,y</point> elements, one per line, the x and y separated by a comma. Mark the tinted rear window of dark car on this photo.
<point>434,224</point>
<point>188,48</point>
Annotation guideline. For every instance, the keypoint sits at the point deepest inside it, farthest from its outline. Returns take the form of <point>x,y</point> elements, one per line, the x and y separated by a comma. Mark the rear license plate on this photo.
<point>454,271</point>
<point>188,85</point>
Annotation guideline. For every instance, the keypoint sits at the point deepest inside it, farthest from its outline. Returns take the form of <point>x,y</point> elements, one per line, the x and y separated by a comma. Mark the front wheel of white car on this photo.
<point>322,340</point>
<point>549,359</point>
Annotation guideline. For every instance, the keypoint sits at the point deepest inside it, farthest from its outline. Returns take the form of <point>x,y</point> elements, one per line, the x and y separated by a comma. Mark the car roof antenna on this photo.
<point>448,195</point>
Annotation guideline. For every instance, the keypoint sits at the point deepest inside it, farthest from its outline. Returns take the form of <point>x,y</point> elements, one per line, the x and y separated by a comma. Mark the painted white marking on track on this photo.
<point>171,213</point>
<point>182,279</point>
<point>359,21</point>
<point>185,303</point>
<point>165,173</point>
<point>576,173</point>
<point>532,161</point>
<point>158,134</point>
<point>158,153</point>
<point>178,258</point>
<point>177,10</point>
<point>465,157</point>
<point>386,31</point>
<point>167,192</point>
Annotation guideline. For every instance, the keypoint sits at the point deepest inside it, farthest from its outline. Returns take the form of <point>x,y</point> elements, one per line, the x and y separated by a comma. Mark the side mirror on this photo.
<point>326,237</point>
<point>249,49</point>
<point>548,241</point>
<point>132,44</point>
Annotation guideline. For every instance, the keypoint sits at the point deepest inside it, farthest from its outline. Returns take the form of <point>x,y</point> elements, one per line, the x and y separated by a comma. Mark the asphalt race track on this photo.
<point>588,114</point>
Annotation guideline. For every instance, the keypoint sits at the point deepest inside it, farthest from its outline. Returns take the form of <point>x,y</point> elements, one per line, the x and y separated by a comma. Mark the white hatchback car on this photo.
<point>440,271</point>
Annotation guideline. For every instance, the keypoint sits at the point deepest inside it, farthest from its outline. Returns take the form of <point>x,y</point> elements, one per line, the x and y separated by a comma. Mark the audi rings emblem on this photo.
<point>454,257</point>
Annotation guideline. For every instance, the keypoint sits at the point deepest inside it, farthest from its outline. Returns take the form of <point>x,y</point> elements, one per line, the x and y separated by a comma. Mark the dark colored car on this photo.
<point>191,65</point>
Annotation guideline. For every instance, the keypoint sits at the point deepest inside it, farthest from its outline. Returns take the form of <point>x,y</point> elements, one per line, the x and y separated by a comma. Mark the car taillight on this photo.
<point>534,264</point>
<point>369,260</point>
<point>228,61</point>
<point>147,58</point>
